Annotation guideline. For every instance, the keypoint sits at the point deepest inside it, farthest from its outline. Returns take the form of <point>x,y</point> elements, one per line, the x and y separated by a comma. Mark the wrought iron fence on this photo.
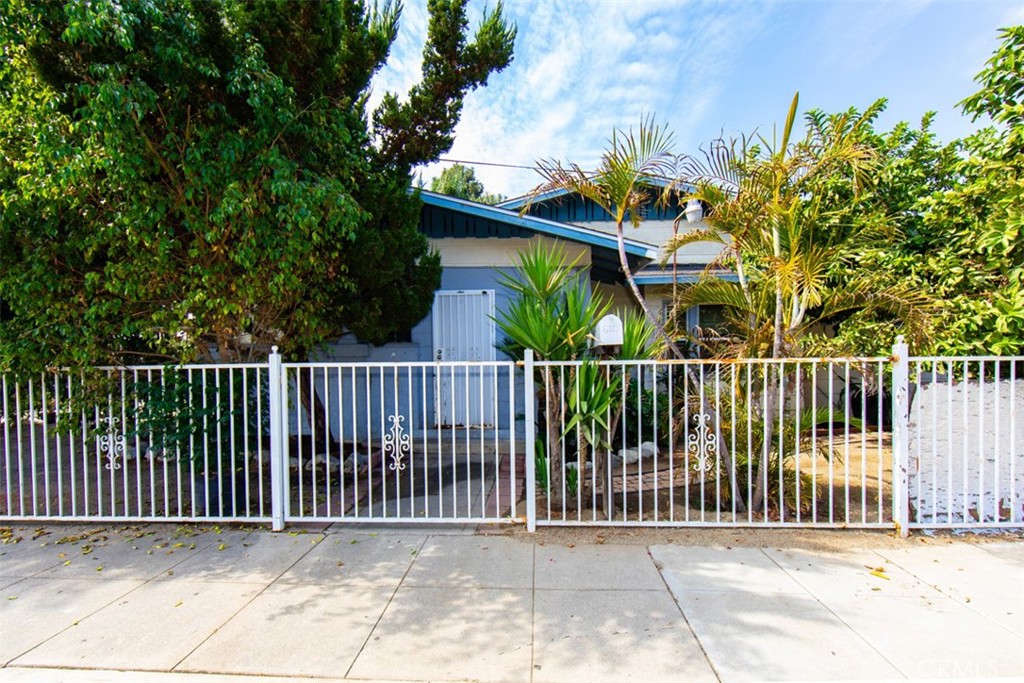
<point>747,442</point>
<point>142,443</point>
<point>409,442</point>
<point>966,442</point>
<point>901,442</point>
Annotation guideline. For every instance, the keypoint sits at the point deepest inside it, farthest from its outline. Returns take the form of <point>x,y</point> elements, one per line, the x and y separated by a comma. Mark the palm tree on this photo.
<point>779,232</point>
<point>635,170</point>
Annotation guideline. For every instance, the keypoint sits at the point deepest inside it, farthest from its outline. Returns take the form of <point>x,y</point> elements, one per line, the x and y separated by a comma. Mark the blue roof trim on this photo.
<point>543,226</point>
<point>521,201</point>
<point>683,278</point>
<point>516,203</point>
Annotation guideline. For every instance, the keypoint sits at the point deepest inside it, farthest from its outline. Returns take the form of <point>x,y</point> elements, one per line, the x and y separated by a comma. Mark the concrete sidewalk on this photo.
<point>152,603</point>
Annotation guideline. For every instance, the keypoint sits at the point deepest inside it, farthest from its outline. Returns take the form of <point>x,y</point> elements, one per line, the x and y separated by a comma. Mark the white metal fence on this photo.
<point>142,443</point>
<point>880,442</point>
<point>966,442</point>
<point>715,443</point>
<point>409,442</point>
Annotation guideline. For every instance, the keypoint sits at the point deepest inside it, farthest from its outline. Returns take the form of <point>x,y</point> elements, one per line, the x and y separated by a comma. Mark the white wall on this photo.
<point>964,448</point>
<point>498,252</point>
<point>657,233</point>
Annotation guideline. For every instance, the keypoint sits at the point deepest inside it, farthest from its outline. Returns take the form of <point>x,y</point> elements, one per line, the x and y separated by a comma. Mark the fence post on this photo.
<point>277,464</point>
<point>529,400</point>
<point>900,436</point>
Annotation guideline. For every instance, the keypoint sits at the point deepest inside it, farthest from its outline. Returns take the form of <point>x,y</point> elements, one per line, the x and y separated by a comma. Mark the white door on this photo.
<point>464,331</point>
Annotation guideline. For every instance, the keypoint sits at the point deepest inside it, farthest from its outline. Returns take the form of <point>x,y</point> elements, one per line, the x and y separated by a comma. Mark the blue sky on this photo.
<point>582,69</point>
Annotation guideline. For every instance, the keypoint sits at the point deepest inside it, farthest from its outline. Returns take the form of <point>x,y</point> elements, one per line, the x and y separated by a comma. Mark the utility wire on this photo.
<point>445,160</point>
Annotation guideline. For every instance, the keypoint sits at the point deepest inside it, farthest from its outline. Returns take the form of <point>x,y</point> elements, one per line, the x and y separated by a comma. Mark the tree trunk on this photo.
<point>313,408</point>
<point>773,386</point>
<point>555,457</point>
<point>670,346</point>
<point>673,350</point>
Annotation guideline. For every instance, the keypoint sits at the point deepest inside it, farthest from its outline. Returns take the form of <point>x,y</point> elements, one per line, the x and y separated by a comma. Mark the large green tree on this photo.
<point>958,212</point>
<point>201,179</point>
<point>461,181</point>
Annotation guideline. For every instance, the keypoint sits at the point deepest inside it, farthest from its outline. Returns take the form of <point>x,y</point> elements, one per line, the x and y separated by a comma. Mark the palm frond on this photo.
<point>715,165</point>
<point>700,235</point>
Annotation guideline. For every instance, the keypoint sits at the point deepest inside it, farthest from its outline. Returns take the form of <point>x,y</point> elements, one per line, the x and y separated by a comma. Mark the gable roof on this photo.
<point>517,203</point>
<point>443,216</point>
<point>530,224</point>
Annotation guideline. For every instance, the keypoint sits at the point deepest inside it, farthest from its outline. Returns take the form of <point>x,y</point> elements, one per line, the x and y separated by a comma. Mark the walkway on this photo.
<point>430,604</point>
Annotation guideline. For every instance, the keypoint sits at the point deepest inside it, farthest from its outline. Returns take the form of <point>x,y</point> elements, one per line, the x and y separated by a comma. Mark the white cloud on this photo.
<point>582,69</point>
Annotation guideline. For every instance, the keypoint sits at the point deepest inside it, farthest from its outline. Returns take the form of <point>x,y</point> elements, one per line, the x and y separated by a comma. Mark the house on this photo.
<point>477,244</point>
<point>659,224</point>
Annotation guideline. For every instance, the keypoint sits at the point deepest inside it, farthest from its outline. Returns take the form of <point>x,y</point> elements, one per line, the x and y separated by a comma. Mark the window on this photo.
<point>707,325</point>
<point>400,337</point>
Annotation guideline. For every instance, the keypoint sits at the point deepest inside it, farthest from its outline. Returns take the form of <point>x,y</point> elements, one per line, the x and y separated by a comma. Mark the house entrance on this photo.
<point>464,332</point>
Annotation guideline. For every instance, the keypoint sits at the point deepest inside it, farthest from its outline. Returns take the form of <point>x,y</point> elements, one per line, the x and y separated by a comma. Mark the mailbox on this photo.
<point>607,334</point>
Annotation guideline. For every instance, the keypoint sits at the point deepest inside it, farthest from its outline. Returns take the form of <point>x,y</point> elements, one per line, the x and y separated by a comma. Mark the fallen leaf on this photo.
<point>222,546</point>
<point>180,603</point>
<point>12,597</point>
<point>879,574</point>
<point>99,568</point>
<point>179,544</point>
<point>67,563</point>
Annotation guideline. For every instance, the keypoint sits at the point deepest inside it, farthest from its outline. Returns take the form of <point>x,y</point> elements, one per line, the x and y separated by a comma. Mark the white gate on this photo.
<point>464,333</point>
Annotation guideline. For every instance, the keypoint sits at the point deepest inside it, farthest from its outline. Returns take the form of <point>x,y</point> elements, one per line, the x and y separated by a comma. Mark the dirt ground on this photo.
<point>827,540</point>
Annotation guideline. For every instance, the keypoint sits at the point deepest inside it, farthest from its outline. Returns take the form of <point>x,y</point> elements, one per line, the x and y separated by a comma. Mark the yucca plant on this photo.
<point>551,312</point>
<point>594,393</point>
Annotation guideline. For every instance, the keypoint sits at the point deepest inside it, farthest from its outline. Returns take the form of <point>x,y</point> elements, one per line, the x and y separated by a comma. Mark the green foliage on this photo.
<point>551,310</point>
<point>957,210</point>
<point>592,396</point>
<point>641,409</point>
<point>1001,97</point>
<point>194,179</point>
<point>786,213</point>
<point>460,181</point>
<point>635,170</point>
<point>172,410</point>
<point>638,336</point>
<point>540,461</point>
